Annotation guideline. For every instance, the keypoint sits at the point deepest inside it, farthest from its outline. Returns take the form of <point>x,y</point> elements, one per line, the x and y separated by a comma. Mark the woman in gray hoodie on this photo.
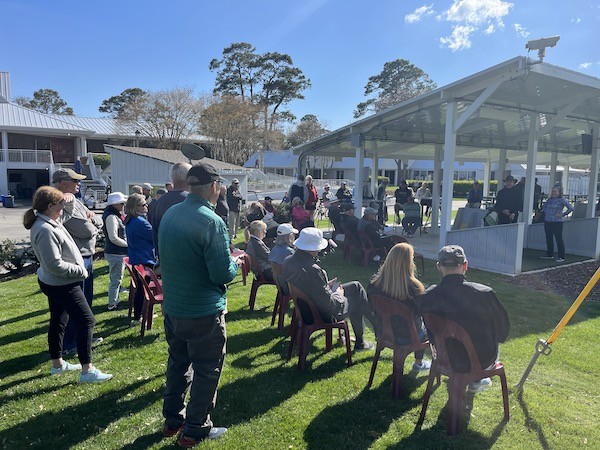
<point>60,273</point>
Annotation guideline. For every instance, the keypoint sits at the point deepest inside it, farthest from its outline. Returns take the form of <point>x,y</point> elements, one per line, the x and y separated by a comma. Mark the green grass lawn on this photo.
<point>268,404</point>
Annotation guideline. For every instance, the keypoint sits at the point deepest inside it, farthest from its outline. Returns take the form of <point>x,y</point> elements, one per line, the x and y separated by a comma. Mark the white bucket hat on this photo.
<point>285,229</point>
<point>310,240</point>
<point>114,198</point>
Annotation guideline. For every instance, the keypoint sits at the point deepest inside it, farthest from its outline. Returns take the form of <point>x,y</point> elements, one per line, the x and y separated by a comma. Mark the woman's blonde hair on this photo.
<point>397,275</point>
<point>42,199</point>
<point>131,207</point>
<point>257,225</point>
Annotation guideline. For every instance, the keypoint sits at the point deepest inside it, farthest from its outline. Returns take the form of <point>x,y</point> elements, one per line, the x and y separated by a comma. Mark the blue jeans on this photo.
<point>196,355</point>
<point>87,286</point>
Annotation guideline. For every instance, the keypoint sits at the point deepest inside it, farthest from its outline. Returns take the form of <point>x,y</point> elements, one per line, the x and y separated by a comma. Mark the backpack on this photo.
<point>490,219</point>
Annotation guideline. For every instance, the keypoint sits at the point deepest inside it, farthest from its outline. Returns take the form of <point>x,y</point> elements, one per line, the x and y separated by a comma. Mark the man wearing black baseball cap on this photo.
<point>473,306</point>
<point>196,266</point>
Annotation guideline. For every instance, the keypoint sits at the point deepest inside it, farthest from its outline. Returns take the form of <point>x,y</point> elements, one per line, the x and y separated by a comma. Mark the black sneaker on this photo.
<point>362,346</point>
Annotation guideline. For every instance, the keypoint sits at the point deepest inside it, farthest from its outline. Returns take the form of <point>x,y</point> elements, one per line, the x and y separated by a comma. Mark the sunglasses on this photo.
<point>75,181</point>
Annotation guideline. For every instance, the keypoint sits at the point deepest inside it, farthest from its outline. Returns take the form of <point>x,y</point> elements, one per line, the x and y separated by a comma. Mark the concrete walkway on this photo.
<point>11,222</point>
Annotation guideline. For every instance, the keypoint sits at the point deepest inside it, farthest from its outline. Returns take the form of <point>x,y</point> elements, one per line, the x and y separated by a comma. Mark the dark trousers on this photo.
<point>87,286</point>
<point>196,355</point>
<point>554,231</point>
<point>410,224</point>
<point>358,307</point>
<point>67,303</point>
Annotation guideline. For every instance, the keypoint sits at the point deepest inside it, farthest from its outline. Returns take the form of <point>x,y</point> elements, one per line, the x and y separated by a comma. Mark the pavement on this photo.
<point>11,222</point>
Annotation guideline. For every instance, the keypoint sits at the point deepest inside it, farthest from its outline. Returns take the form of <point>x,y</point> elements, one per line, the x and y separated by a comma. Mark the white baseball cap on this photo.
<point>285,229</point>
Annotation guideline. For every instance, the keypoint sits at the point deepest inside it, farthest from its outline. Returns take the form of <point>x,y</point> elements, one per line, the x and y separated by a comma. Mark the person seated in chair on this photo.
<point>473,306</point>
<point>412,217</point>
<point>333,300</point>
<point>402,194</point>
<point>397,279</point>
<point>258,250</point>
<point>343,193</point>
<point>334,214</point>
<point>374,230</point>
<point>300,215</point>
<point>258,212</point>
<point>348,220</point>
<point>475,196</point>
<point>284,247</point>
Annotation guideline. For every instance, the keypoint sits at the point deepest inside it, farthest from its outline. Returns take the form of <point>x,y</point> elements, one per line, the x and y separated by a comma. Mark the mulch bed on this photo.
<point>567,281</point>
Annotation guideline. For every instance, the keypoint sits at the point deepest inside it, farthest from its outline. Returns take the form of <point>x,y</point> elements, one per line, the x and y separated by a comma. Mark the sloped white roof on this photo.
<point>102,126</point>
<point>15,117</point>
<point>170,156</point>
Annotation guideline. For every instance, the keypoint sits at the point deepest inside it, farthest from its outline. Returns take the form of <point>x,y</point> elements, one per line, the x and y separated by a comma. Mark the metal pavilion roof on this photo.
<point>19,118</point>
<point>494,110</point>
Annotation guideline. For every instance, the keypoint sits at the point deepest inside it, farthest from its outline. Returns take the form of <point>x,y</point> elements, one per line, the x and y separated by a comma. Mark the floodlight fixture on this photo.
<point>540,45</point>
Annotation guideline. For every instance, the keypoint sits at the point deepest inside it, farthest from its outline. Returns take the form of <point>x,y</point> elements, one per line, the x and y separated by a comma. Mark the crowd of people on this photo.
<point>185,234</point>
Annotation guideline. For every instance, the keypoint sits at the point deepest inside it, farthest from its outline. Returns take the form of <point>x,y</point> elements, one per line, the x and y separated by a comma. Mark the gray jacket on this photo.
<point>61,262</point>
<point>82,229</point>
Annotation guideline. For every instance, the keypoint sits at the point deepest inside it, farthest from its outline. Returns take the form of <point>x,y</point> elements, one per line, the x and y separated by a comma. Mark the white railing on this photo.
<point>30,156</point>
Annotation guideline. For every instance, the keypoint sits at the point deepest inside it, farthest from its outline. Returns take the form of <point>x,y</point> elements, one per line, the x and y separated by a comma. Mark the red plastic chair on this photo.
<point>442,331</point>
<point>258,281</point>
<point>153,295</point>
<point>368,248</point>
<point>307,320</point>
<point>282,301</point>
<point>133,285</point>
<point>386,308</point>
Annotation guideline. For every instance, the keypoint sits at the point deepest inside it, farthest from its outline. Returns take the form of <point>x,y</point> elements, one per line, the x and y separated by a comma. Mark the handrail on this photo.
<point>29,156</point>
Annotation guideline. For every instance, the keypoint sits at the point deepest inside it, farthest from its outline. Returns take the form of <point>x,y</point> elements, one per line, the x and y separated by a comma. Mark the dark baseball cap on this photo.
<point>347,206</point>
<point>204,173</point>
<point>451,255</point>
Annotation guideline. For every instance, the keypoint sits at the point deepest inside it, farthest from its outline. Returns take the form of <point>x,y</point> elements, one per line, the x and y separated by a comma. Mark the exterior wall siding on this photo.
<point>498,248</point>
<point>581,236</point>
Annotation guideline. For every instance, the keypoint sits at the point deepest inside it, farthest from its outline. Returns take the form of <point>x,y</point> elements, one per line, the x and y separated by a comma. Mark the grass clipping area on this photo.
<point>268,404</point>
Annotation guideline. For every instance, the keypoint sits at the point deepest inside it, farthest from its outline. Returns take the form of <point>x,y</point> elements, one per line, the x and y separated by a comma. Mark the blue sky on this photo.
<point>89,51</point>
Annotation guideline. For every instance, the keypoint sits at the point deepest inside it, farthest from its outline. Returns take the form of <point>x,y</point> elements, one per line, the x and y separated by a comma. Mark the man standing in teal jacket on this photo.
<point>196,264</point>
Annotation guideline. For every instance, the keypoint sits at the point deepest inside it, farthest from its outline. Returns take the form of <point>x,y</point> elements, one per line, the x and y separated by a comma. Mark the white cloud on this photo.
<point>521,30</point>
<point>419,13</point>
<point>576,20</point>
<point>585,65</point>
<point>471,16</point>
<point>459,39</point>
<point>478,12</point>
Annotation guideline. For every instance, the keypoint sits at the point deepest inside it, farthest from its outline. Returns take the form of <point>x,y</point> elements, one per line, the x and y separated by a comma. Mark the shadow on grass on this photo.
<point>23,363</point>
<point>531,423</point>
<point>90,417</point>
<point>23,335</point>
<point>29,315</point>
<point>359,422</point>
<point>19,381</point>
<point>238,402</point>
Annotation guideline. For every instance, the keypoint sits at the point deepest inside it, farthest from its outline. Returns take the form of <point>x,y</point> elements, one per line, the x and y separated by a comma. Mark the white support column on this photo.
<point>532,148</point>
<point>5,145</point>
<point>83,146</point>
<point>501,166</point>
<point>435,191</point>
<point>374,171</point>
<point>487,169</point>
<point>553,164</point>
<point>448,179</point>
<point>592,186</point>
<point>4,150</point>
<point>358,180</point>
<point>565,177</point>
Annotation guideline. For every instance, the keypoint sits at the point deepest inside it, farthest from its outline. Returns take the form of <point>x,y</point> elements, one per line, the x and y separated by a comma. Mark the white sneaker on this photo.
<point>66,367</point>
<point>216,432</point>
<point>94,376</point>
<point>481,385</point>
<point>425,365</point>
<point>559,259</point>
<point>377,258</point>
